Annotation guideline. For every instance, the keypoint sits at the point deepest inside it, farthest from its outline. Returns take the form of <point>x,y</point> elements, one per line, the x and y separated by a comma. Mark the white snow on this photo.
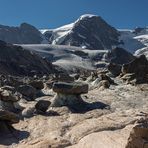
<point>60,33</point>
<point>142,51</point>
<point>62,55</point>
<point>131,41</point>
<point>86,16</point>
<point>143,39</point>
<point>44,30</point>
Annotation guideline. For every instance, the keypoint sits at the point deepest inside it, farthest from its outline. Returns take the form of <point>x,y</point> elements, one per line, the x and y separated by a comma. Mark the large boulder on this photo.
<point>70,88</point>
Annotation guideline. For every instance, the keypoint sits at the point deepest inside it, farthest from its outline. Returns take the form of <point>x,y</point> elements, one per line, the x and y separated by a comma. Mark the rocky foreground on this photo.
<point>104,108</point>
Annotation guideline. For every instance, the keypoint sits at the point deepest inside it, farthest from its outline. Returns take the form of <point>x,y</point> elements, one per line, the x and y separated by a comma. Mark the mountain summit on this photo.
<point>89,31</point>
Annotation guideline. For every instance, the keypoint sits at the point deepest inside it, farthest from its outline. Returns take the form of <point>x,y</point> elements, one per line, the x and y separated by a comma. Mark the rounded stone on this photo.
<point>42,106</point>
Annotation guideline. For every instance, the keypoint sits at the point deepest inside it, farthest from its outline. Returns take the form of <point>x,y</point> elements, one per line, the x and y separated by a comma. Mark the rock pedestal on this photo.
<point>68,94</point>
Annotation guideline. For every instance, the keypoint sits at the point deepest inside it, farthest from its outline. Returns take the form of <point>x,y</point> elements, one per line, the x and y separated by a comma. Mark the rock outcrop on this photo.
<point>139,135</point>
<point>114,69</point>
<point>137,70</point>
<point>119,56</point>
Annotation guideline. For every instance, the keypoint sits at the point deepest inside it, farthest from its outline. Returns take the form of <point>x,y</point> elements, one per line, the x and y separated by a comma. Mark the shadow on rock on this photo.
<point>85,107</point>
<point>13,137</point>
<point>48,113</point>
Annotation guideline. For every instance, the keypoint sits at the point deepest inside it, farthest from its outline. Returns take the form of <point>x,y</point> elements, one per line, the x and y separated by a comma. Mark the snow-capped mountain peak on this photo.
<point>88,31</point>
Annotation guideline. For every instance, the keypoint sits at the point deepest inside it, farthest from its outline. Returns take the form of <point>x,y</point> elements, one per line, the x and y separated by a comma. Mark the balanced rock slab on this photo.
<point>70,88</point>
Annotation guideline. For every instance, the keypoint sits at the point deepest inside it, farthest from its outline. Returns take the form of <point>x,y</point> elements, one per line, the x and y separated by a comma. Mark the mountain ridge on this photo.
<point>88,32</point>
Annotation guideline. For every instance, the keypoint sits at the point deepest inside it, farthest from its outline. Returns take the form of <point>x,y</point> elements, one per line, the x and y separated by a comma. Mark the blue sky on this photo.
<point>54,13</point>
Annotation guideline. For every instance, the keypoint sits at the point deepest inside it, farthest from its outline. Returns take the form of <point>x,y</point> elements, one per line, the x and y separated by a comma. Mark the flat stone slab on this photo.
<point>70,88</point>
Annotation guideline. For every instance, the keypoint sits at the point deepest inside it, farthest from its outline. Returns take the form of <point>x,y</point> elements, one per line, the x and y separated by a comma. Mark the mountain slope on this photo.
<point>14,60</point>
<point>89,31</point>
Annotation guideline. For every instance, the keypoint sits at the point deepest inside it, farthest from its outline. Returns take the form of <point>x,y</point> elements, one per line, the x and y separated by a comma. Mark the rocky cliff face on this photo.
<point>24,34</point>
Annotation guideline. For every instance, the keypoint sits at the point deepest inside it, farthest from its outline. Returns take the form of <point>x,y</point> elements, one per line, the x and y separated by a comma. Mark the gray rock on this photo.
<point>115,69</point>
<point>119,56</point>
<point>38,84</point>
<point>138,68</point>
<point>28,91</point>
<point>42,106</point>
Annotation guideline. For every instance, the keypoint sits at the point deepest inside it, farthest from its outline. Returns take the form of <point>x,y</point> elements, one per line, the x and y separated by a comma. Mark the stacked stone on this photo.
<point>8,108</point>
<point>69,94</point>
